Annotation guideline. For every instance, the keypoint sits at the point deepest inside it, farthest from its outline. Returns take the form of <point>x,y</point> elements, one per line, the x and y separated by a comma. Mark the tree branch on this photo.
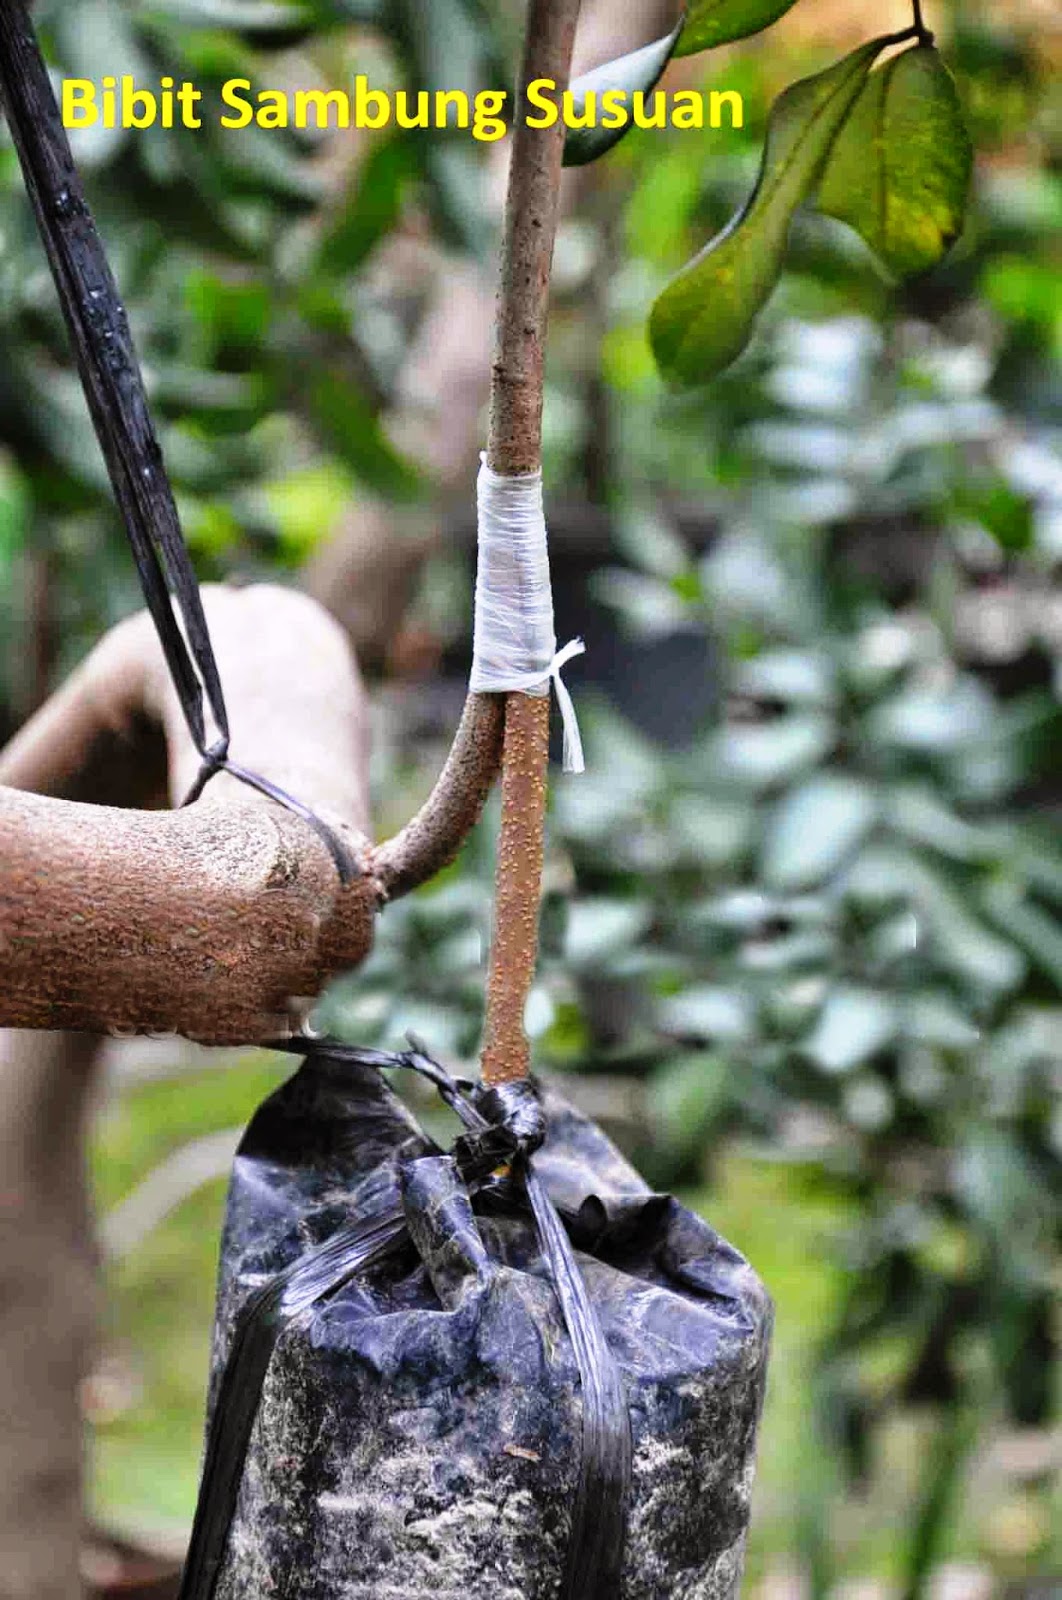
<point>206,921</point>
<point>506,1053</point>
<point>514,445</point>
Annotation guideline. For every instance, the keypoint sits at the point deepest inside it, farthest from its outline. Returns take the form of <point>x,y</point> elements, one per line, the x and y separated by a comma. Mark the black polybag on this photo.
<point>397,1406</point>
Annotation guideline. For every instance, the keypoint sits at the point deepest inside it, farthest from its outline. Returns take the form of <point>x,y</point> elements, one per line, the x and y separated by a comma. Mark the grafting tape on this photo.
<point>514,647</point>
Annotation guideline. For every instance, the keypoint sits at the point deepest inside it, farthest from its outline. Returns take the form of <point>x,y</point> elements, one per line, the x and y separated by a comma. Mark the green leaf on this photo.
<point>1038,932</point>
<point>453,191</point>
<point>687,1098</point>
<point>268,20</point>
<point>815,829</point>
<point>959,943</point>
<point>306,504</point>
<point>796,677</point>
<point>899,173</point>
<point>708,1012</point>
<point>640,70</point>
<point>599,928</point>
<point>645,605</point>
<point>764,754</point>
<point>996,1181</point>
<point>344,417</point>
<point>709,831</point>
<point>704,317</point>
<point>95,39</point>
<point>649,540</point>
<point>708,23</point>
<point>16,510</point>
<point>793,950</point>
<point>934,719</point>
<point>933,1018</point>
<point>854,1025</point>
<point>917,813</point>
<point>443,43</point>
<point>372,210</point>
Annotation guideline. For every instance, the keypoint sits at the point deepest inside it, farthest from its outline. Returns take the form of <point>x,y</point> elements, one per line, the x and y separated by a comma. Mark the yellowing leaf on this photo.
<point>712,22</point>
<point>899,172</point>
<point>703,319</point>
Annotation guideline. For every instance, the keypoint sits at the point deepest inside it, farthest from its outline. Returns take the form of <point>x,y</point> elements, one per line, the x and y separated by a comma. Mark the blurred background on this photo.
<point>802,951</point>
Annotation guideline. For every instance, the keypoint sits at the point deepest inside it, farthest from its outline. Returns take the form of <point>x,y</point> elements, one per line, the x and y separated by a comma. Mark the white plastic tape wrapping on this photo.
<point>514,646</point>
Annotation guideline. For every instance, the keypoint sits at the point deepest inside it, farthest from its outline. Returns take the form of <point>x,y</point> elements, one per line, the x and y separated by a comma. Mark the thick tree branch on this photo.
<point>206,921</point>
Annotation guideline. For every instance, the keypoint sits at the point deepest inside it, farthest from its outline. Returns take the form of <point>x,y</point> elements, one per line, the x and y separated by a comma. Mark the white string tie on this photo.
<point>514,646</point>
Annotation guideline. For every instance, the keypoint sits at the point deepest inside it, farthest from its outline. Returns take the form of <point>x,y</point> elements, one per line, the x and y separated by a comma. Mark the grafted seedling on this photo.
<point>885,150</point>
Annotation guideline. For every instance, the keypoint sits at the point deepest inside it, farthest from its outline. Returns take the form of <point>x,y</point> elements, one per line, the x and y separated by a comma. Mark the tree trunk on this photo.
<point>48,1304</point>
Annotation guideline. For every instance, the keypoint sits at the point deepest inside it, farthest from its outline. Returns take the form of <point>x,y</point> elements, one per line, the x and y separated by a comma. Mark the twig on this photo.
<point>506,1054</point>
<point>432,839</point>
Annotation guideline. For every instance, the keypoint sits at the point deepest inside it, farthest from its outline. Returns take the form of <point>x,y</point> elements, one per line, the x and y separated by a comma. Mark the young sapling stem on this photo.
<point>514,446</point>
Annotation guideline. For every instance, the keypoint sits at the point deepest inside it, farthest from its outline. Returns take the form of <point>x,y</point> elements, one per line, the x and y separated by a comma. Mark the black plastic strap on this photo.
<point>114,389</point>
<point>275,1308</point>
<point>503,1125</point>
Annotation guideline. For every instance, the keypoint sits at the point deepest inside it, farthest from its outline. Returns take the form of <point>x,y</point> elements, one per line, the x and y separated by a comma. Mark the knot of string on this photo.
<point>515,1127</point>
<point>514,647</point>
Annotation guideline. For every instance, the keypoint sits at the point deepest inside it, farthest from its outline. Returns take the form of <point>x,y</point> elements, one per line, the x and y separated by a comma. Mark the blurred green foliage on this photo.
<point>242,257</point>
<point>830,924</point>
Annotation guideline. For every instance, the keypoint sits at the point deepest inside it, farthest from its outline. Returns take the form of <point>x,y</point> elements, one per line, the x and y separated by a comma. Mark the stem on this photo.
<point>434,836</point>
<point>514,445</point>
<point>919,22</point>
<point>506,1053</point>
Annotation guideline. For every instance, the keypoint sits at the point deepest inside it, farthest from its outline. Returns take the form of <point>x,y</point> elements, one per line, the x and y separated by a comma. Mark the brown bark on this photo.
<point>432,839</point>
<point>515,440</point>
<point>506,1053</point>
<point>210,921</point>
<point>48,1304</point>
<point>217,921</point>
